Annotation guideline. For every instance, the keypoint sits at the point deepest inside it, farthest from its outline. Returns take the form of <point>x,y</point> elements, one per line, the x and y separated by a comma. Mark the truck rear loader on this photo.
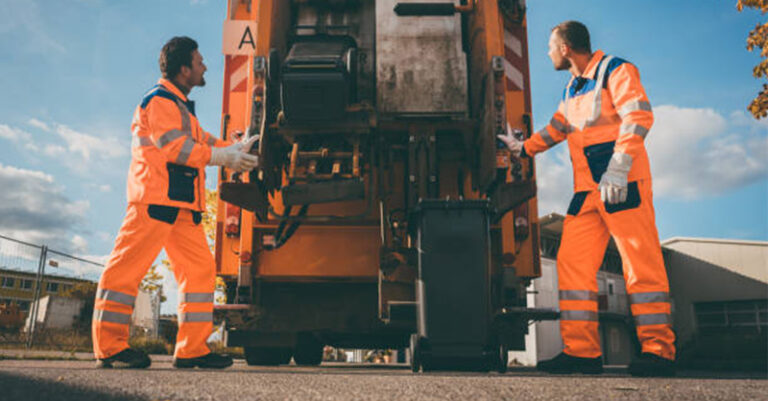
<point>383,213</point>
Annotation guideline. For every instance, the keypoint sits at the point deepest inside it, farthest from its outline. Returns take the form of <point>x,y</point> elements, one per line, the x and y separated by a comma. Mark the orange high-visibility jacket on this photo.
<point>603,111</point>
<point>169,151</point>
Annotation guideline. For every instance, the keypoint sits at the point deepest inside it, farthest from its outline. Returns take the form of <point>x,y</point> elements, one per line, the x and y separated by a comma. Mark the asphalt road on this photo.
<point>78,380</point>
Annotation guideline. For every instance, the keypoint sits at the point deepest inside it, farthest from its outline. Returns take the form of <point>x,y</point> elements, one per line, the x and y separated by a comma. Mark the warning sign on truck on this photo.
<point>239,38</point>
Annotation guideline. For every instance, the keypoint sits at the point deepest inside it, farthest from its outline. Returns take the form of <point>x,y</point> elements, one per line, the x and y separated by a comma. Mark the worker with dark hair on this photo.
<point>605,116</point>
<point>166,199</point>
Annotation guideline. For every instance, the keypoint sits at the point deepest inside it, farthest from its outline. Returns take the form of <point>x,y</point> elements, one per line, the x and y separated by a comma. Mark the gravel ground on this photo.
<point>78,380</point>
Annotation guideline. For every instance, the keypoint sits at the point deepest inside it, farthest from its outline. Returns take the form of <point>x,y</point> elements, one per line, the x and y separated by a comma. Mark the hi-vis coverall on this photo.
<point>604,111</point>
<point>166,195</point>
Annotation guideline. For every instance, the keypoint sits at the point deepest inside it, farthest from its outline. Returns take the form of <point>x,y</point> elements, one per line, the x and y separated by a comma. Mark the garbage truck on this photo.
<point>384,213</point>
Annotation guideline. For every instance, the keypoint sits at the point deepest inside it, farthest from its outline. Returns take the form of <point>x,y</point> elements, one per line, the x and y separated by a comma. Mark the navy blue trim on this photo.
<point>166,214</point>
<point>523,153</point>
<point>159,90</point>
<point>598,156</point>
<point>181,182</point>
<point>197,217</point>
<point>582,86</point>
<point>614,64</point>
<point>632,202</point>
<point>577,202</point>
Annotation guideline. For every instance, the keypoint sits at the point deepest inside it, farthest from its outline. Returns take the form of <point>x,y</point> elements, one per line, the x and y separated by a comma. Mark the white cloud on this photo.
<point>37,211</point>
<point>89,146</point>
<point>554,180</point>
<point>54,150</point>
<point>79,151</point>
<point>38,124</point>
<point>105,188</point>
<point>14,134</point>
<point>698,152</point>
<point>80,244</point>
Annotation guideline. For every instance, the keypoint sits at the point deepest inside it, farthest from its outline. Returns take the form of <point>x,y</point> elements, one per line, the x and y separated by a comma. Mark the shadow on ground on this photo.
<point>19,388</point>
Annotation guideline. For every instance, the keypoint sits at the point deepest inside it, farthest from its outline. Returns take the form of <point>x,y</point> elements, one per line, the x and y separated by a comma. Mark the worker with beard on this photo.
<point>166,199</point>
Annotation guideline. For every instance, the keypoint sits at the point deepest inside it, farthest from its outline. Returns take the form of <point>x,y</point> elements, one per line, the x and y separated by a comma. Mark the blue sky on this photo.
<point>73,71</point>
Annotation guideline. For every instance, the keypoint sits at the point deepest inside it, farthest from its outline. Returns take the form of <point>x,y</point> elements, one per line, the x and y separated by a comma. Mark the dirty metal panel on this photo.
<point>420,65</point>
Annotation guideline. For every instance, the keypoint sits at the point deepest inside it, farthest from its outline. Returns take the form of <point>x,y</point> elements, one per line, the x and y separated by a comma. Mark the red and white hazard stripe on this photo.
<point>237,70</point>
<point>515,57</point>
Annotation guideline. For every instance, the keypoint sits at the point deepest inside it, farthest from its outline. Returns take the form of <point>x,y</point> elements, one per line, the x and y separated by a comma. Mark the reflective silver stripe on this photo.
<point>115,296</point>
<point>633,129</point>
<point>112,317</point>
<point>578,295</point>
<point>186,150</point>
<point>197,297</point>
<point>211,141</point>
<point>567,96</point>
<point>653,318</point>
<point>141,141</point>
<point>196,317</point>
<point>547,138</point>
<point>635,105</point>
<point>169,137</point>
<point>185,124</point>
<point>556,124</point>
<point>648,297</point>
<point>587,315</point>
<point>597,108</point>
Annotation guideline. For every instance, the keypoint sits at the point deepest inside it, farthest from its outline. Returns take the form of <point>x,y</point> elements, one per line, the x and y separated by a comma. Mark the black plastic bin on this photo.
<point>454,309</point>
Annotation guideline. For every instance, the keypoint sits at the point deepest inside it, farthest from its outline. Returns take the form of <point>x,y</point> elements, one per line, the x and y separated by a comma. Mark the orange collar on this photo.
<point>171,87</point>
<point>591,69</point>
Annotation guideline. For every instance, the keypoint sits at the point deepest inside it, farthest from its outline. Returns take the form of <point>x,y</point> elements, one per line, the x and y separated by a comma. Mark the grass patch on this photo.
<point>150,345</point>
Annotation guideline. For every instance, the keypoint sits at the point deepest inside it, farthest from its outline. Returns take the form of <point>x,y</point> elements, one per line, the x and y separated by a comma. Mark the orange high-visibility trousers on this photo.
<point>586,232</point>
<point>145,231</point>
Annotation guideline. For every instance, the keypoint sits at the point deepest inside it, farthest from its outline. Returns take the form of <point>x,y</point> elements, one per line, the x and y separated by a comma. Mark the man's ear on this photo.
<point>185,71</point>
<point>564,49</point>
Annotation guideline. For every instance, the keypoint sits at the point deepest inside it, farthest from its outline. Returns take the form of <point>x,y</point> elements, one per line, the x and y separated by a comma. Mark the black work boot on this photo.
<point>207,361</point>
<point>564,364</point>
<point>652,365</point>
<point>128,358</point>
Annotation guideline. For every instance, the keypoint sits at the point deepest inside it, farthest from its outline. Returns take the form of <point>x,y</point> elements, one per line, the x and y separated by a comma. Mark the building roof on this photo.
<point>674,240</point>
<point>747,258</point>
<point>47,276</point>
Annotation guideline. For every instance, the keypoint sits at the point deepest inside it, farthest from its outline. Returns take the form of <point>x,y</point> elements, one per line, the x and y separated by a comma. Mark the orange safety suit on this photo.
<point>606,111</point>
<point>166,195</point>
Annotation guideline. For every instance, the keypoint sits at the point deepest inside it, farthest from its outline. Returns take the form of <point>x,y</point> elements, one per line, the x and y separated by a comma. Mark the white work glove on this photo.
<point>236,156</point>
<point>515,145</point>
<point>613,184</point>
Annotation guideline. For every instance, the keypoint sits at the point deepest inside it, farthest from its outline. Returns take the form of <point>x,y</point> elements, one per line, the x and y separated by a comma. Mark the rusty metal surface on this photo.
<point>421,67</point>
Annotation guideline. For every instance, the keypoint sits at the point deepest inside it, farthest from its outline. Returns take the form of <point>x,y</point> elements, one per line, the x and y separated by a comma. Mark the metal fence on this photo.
<point>51,269</point>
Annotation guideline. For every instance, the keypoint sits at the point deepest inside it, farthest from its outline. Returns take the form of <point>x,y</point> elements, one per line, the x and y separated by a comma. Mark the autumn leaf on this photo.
<point>758,39</point>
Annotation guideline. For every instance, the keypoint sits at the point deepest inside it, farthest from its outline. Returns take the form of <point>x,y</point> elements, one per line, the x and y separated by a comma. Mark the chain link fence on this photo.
<point>29,273</point>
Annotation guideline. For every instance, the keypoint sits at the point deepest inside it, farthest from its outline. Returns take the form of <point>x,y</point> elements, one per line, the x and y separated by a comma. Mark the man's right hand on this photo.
<point>514,144</point>
<point>236,156</point>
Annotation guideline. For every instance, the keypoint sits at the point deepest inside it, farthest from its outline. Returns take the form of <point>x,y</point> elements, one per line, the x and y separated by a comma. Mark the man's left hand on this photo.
<point>613,184</point>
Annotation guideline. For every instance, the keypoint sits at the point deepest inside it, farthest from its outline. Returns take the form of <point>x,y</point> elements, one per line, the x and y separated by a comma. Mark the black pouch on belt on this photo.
<point>598,156</point>
<point>181,182</point>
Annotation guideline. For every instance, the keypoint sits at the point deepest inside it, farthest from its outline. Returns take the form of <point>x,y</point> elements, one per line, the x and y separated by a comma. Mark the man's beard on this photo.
<point>563,66</point>
<point>202,81</point>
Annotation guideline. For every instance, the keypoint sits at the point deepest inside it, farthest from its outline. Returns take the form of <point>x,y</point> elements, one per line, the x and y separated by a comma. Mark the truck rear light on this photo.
<point>522,225</point>
<point>231,220</point>
<point>245,257</point>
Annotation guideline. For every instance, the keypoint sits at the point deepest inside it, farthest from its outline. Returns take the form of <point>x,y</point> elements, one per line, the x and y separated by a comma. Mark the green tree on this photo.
<point>209,226</point>
<point>153,280</point>
<point>87,292</point>
<point>758,38</point>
